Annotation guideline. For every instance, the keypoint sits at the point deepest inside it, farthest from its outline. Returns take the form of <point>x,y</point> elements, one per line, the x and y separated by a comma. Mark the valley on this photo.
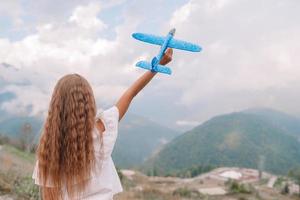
<point>248,155</point>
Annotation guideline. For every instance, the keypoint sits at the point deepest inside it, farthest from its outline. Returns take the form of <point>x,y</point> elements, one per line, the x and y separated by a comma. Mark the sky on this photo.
<point>249,58</point>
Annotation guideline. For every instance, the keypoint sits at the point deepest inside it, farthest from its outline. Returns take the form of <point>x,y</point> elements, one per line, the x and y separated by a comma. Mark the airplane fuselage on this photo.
<point>155,61</point>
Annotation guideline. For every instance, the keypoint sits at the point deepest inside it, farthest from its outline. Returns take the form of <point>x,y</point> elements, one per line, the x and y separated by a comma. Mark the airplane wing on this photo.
<point>187,46</point>
<point>173,43</point>
<point>152,39</point>
<point>157,68</point>
<point>163,69</point>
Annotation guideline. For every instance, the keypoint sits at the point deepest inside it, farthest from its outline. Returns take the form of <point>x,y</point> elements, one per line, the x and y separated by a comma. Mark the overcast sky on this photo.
<point>249,58</point>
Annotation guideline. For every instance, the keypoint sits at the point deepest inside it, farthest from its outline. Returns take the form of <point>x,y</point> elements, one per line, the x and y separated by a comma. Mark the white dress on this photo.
<point>104,181</point>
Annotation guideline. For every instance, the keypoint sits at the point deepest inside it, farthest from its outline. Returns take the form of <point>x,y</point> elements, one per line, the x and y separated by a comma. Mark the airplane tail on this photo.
<point>156,68</point>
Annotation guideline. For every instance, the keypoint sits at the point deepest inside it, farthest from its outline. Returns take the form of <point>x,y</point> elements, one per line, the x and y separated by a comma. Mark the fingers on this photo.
<point>167,57</point>
<point>169,54</point>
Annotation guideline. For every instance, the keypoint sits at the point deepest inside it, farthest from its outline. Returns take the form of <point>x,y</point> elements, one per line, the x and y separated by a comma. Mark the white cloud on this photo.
<point>249,56</point>
<point>72,46</point>
<point>30,99</point>
<point>86,17</point>
<point>247,49</point>
<point>182,14</point>
<point>187,123</point>
<point>13,9</point>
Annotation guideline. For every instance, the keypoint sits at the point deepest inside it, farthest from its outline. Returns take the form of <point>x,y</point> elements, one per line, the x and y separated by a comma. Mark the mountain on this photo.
<point>138,139</point>
<point>241,139</point>
<point>284,121</point>
<point>12,125</point>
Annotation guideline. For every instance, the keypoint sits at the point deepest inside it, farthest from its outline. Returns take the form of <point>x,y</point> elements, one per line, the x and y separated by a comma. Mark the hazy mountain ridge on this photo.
<point>289,123</point>
<point>236,139</point>
<point>138,137</point>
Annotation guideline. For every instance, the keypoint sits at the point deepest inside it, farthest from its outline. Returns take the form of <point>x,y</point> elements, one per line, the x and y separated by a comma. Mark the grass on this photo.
<point>239,188</point>
<point>15,173</point>
<point>187,193</point>
<point>25,188</point>
<point>20,154</point>
<point>22,187</point>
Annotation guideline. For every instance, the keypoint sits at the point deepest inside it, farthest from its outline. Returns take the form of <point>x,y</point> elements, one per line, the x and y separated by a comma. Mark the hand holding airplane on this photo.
<point>164,42</point>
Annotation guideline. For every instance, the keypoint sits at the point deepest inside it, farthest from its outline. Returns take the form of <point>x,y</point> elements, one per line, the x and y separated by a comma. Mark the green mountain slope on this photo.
<point>284,121</point>
<point>237,139</point>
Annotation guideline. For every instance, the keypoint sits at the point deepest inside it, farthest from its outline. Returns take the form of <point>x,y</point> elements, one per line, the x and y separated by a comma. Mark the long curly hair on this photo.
<point>65,152</point>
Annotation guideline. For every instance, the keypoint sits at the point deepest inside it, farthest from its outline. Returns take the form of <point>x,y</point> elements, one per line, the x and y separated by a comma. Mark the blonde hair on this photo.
<point>65,152</point>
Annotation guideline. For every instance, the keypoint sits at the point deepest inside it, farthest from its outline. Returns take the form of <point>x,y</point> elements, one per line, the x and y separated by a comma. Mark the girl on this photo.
<point>74,153</point>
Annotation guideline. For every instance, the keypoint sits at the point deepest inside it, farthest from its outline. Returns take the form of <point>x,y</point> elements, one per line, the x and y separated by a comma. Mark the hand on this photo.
<point>167,57</point>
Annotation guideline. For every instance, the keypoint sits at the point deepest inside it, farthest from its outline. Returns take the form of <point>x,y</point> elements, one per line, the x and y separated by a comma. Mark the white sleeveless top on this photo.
<point>104,181</point>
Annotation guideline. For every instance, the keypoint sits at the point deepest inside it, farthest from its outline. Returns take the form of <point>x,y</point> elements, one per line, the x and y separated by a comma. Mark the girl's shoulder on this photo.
<point>109,118</point>
<point>112,113</point>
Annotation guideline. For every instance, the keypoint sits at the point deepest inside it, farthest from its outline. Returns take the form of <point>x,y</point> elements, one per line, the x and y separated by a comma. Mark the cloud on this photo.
<point>30,99</point>
<point>13,9</point>
<point>71,46</point>
<point>247,49</point>
<point>86,17</point>
<point>249,56</point>
<point>187,123</point>
<point>182,14</point>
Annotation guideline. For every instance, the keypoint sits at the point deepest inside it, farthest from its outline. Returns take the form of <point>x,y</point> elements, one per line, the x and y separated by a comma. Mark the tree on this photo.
<point>261,165</point>
<point>4,139</point>
<point>26,137</point>
<point>285,189</point>
<point>295,175</point>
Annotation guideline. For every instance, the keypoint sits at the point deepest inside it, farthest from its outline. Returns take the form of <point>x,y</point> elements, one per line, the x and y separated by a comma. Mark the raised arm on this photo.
<point>125,100</point>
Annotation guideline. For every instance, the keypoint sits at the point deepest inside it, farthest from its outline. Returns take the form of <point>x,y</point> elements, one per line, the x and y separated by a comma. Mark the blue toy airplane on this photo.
<point>164,42</point>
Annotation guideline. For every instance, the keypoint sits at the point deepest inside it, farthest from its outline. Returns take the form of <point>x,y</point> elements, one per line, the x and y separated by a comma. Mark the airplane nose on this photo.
<point>172,31</point>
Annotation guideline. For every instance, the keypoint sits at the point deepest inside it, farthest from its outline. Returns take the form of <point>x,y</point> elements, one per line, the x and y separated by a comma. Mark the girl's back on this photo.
<point>103,182</point>
<point>74,154</point>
